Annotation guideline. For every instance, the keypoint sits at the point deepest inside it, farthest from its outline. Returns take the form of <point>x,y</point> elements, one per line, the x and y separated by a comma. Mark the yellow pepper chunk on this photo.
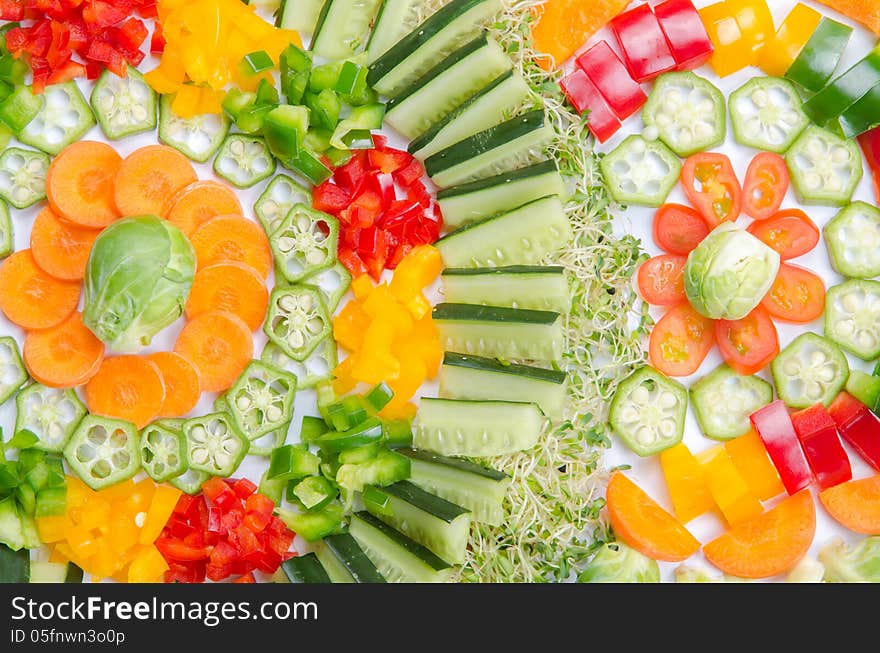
<point>687,484</point>
<point>730,492</point>
<point>362,286</point>
<point>749,456</point>
<point>756,24</point>
<point>148,566</point>
<point>53,528</point>
<point>164,499</point>
<point>732,52</point>
<point>418,269</point>
<point>788,42</point>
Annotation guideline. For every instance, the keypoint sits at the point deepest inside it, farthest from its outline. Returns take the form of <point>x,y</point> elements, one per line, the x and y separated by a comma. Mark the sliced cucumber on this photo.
<point>853,240</point>
<point>479,489</point>
<point>124,105</point>
<point>723,401</point>
<point>496,331</point>
<point>23,176</point>
<point>305,569</point>
<point>198,137</point>
<point>456,427</point>
<point>13,374</point>
<point>540,287</point>
<point>64,118</point>
<point>475,377</point>
<point>444,87</point>
<point>522,236</point>
<point>640,172</point>
<point>281,195</point>
<point>342,28</point>
<point>299,15</point>
<point>852,317</point>
<point>648,411</point>
<point>515,143</point>
<point>809,370</point>
<point>395,19</point>
<point>435,523</point>
<point>350,555</point>
<point>52,414</point>
<point>55,572</point>
<point>335,569</point>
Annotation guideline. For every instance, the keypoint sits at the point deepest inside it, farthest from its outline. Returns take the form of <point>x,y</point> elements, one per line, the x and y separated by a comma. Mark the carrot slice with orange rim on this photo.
<point>197,203</point>
<point>59,247</point>
<point>183,387</point>
<point>64,356</point>
<point>855,504</point>
<point>149,177</point>
<point>232,239</point>
<point>220,345</point>
<point>31,298</point>
<point>80,184</point>
<point>127,387</point>
<point>232,287</point>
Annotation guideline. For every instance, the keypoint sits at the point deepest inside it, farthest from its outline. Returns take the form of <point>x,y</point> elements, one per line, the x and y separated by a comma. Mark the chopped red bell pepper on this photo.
<point>584,95</point>
<point>157,41</point>
<point>247,578</point>
<point>330,198</point>
<point>410,173</point>
<point>11,9</point>
<point>870,142</point>
<point>244,488</point>
<point>389,160</point>
<point>685,33</point>
<point>605,69</point>
<point>773,424</point>
<point>643,43</point>
<point>858,426</point>
<point>822,447</point>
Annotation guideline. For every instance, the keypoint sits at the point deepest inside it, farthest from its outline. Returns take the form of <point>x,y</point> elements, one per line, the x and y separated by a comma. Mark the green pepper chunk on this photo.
<point>356,436</point>
<point>821,55</point>
<point>289,462</point>
<point>845,91</point>
<point>313,492</point>
<point>19,108</point>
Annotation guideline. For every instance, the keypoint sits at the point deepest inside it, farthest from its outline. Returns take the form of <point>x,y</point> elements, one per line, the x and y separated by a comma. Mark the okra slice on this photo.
<point>214,444</point>
<point>261,401</point>
<point>52,414</point>
<point>12,372</point>
<point>825,168</point>
<point>317,367</point>
<point>124,105</point>
<point>190,481</point>
<point>6,233</point>
<point>723,401</point>
<point>266,444</point>
<point>198,137</point>
<point>163,450</point>
<point>687,111</point>
<point>103,451</point>
<point>809,370</point>
<point>648,411</point>
<point>853,240</point>
<point>244,161</point>
<point>304,243</point>
<point>23,176</point>
<point>766,114</point>
<point>64,118</point>
<point>333,283</point>
<point>298,321</point>
<point>281,195</point>
<point>852,317</point>
<point>640,172</point>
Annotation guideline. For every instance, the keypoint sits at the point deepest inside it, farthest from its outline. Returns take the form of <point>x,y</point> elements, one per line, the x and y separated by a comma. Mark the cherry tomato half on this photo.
<point>797,295</point>
<point>678,229</point>
<point>789,232</point>
<point>748,345</point>
<point>711,186</point>
<point>680,341</point>
<point>661,280</point>
<point>766,184</point>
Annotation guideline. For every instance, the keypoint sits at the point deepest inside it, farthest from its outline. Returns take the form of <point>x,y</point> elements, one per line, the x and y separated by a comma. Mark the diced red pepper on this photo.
<point>12,9</point>
<point>349,176</point>
<point>386,188</point>
<point>389,160</point>
<point>247,578</point>
<point>822,447</point>
<point>218,491</point>
<point>330,198</point>
<point>178,550</point>
<point>352,262</point>
<point>244,487</point>
<point>685,33</point>
<point>870,142</point>
<point>605,69</point>
<point>380,141</point>
<point>410,173</point>
<point>585,96</point>
<point>643,43</point>
<point>417,191</point>
<point>773,424</point>
<point>365,209</point>
<point>157,41</point>
<point>858,426</point>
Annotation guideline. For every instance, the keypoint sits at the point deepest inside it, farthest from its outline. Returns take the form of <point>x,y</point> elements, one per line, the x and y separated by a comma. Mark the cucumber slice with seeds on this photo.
<point>281,195</point>
<point>766,114</point>
<point>23,176</point>
<point>317,367</point>
<point>244,161</point>
<point>103,451</point>
<point>64,118</point>
<point>298,15</point>
<point>809,370</point>
<point>640,172</point>
<point>7,237</point>
<point>342,28</point>
<point>539,287</point>
<point>298,321</point>
<point>395,19</point>
<point>825,168</point>
<point>13,375</point>
<point>852,317</point>
<point>304,243</point>
<point>723,401</point>
<point>198,137</point>
<point>52,414</point>
<point>163,450</point>
<point>853,240</point>
<point>648,411</point>
<point>261,401</point>
<point>124,105</point>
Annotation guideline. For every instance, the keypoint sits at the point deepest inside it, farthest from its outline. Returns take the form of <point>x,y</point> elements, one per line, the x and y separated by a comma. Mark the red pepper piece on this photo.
<point>870,142</point>
<point>585,96</point>
<point>643,43</point>
<point>822,447</point>
<point>774,426</point>
<point>157,41</point>
<point>12,9</point>
<point>389,160</point>
<point>179,550</point>
<point>685,33</point>
<point>247,578</point>
<point>217,490</point>
<point>380,141</point>
<point>386,188</point>
<point>350,175</point>
<point>330,198</point>
<point>244,487</point>
<point>858,426</point>
<point>605,69</point>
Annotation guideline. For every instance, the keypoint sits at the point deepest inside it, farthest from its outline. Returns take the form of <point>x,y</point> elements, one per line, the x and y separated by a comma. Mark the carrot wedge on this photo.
<point>233,287</point>
<point>197,203</point>
<point>855,504</point>
<point>220,345</point>
<point>149,177</point>
<point>563,26</point>
<point>232,239</point>
<point>127,387</point>
<point>59,247</point>
<point>80,184</point>
<point>31,298</point>
<point>866,12</point>
<point>63,356</point>
<point>769,544</point>
<point>183,386</point>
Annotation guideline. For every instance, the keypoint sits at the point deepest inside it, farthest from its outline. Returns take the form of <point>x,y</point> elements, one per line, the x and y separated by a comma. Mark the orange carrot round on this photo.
<point>80,184</point>
<point>59,247</point>
<point>149,177</point>
<point>31,298</point>
<point>220,345</point>
<point>232,239</point>
<point>63,356</point>
<point>643,524</point>
<point>232,287</point>
<point>197,203</point>
<point>127,387</point>
<point>855,504</point>
<point>769,544</point>
<point>183,387</point>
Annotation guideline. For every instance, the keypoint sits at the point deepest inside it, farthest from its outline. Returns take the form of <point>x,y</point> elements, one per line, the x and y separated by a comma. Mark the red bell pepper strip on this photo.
<point>773,424</point>
<point>685,33</point>
<point>822,447</point>
<point>605,69</point>
<point>643,43</point>
<point>870,142</point>
<point>585,96</point>
<point>858,426</point>
<point>11,9</point>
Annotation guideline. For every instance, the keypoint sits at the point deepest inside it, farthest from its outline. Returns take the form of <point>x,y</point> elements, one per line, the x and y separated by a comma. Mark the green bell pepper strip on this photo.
<point>214,444</point>
<point>23,176</point>
<point>313,492</point>
<point>124,105</point>
<point>766,114</point>
<point>325,107</point>
<point>103,451</point>
<point>309,166</point>
<point>295,65</point>
<point>317,139</point>
<point>313,526</point>
<point>272,488</point>
<point>356,436</point>
<point>819,59</point>
<point>379,396</point>
<point>312,428</point>
<point>294,85</point>
<point>864,387</point>
<point>332,282</point>
<point>250,120</point>
<point>163,451</point>
<point>338,157</point>
<point>6,244</point>
<point>52,414</point>
<point>809,370</point>
<point>863,115</point>
<point>362,118</point>
<point>236,101</point>
<point>348,412</point>
<point>304,243</point>
<point>13,374</point>
<point>294,59</point>
<point>825,168</point>
<point>261,401</point>
<point>360,454</point>
<point>640,172</point>
<point>297,321</point>
<point>281,195</point>
<point>348,77</point>
<point>852,317</point>
<point>267,94</point>
<point>317,367</point>
<point>198,138</point>
<point>190,481</point>
<point>50,501</point>
<point>397,434</point>
<point>359,139</point>
<point>325,76</point>
<point>244,161</point>
<point>284,129</point>
<point>845,90</point>
<point>19,108</point>
<point>65,117</point>
<point>289,462</point>
<point>852,238</point>
<point>254,63</point>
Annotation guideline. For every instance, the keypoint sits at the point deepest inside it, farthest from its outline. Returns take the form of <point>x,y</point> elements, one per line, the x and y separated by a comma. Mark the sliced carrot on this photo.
<point>127,387</point>
<point>197,203</point>
<point>149,177</point>
<point>233,287</point>
<point>63,356</point>
<point>232,239</point>
<point>219,344</point>
<point>31,298</point>
<point>855,504</point>
<point>563,26</point>
<point>769,544</point>
<point>866,12</point>
<point>183,387</point>
<point>644,525</point>
<point>59,247</point>
<point>80,183</point>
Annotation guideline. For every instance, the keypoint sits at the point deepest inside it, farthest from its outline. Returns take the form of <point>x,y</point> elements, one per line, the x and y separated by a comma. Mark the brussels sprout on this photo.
<point>857,564</point>
<point>807,570</point>
<point>728,274</point>
<point>137,281</point>
<point>695,574</point>
<point>615,562</point>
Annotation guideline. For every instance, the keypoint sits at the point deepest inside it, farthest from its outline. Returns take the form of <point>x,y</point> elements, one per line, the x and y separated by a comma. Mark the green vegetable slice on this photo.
<point>6,233</point>
<point>190,481</point>
<point>317,367</point>
<point>304,243</point>
<point>244,161</point>
<point>163,450</point>
<point>64,118</point>
<point>332,282</point>
<point>214,444</point>
<point>298,321</point>
<point>124,105</point>
<point>281,195</point>
<point>852,317</point>
<point>855,563</point>
<point>52,414</point>
<point>23,176</point>
<point>853,240</point>
<point>723,401</point>
<point>766,114</point>
<point>640,172</point>
<point>103,451</point>
<point>809,370</point>
<point>615,562</point>
<point>648,411</point>
<point>261,401</point>
<point>266,444</point>
<point>825,168</point>
<point>198,137</point>
<point>12,372</point>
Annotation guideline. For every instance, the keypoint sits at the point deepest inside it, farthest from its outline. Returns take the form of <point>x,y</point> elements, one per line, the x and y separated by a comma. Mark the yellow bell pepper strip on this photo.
<point>729,490</point>
<point>161,507</point>
<point>749,456</point>
<point>788,42</point>
<point>686,481</point>
<point>738,30</point>
<point>147,566</point>
<point>563,26</point>
<point>755,22</point>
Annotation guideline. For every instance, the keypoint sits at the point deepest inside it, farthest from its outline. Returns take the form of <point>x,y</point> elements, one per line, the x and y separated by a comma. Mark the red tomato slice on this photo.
<point>749,344</point>
<point>766,184</point>
<point>661,280</point>
<point>797,295</point>
<point>680,341</point>
<point>711,186</point>
<point>678,229</point>
<point>789,232</point>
